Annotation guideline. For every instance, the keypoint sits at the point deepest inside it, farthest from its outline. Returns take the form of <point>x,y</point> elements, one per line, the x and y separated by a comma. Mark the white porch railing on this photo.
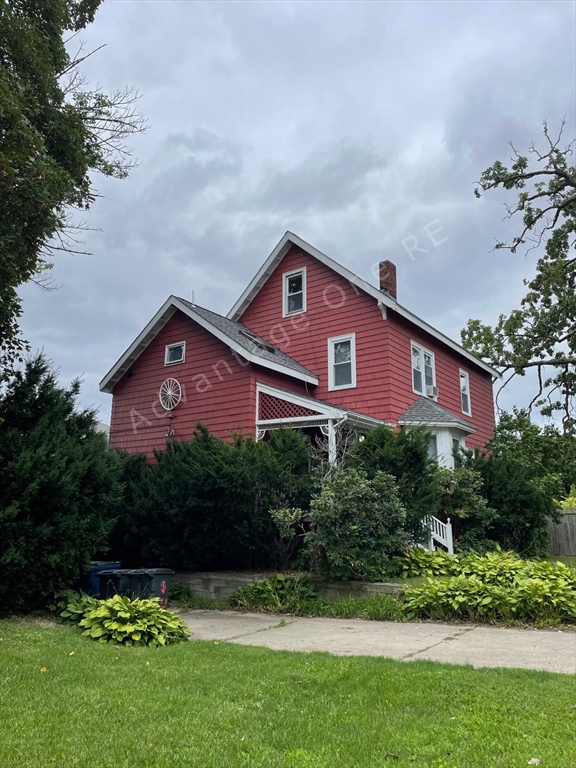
<point>440,533</point>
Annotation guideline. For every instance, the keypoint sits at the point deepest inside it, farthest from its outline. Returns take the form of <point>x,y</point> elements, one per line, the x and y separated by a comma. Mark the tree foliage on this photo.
<point>524,470</point>
<point>54,133</point>
<point>404,455</point>
<point>205,502</point>
<point>59,487</point>
<point>357,525</point>
<point>541,334</point>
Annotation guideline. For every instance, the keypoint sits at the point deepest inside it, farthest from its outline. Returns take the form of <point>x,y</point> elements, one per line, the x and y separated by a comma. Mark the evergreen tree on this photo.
<point>59,487</point>
<point>205,503</point>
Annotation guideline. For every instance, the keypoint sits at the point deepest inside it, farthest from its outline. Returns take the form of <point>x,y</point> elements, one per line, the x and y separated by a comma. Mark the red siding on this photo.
<point>383,357</point>
<point>219,391</point>
<point>447,364</point>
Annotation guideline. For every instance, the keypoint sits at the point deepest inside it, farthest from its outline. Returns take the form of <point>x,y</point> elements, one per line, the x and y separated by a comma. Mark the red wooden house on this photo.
<point>308,345</point>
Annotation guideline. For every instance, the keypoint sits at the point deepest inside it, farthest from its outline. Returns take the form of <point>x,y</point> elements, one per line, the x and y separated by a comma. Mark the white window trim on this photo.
<point>460,372</point>
<point>331,342</point>
<point>175,344</point>
<point>422,350</point>
<point>285,276</point>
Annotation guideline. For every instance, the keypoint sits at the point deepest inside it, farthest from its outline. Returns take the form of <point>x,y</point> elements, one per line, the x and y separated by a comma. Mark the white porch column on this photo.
<point>331,442</point>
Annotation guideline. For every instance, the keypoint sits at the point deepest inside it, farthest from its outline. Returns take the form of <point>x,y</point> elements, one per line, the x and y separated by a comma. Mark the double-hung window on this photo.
<point>174,353</point>
<point>465,393</point>
<point>294,292</point>
<point>342,362</point>
<point>423,375</point>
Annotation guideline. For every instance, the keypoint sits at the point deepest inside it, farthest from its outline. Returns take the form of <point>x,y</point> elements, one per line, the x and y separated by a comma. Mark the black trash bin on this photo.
<point>114,581</point>
<point>136,582</point>
<point>151,582</point>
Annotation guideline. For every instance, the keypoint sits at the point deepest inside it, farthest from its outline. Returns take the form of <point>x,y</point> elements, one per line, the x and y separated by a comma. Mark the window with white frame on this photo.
<point>433,448</point>
<point>294,292</point>
<point>342,362</point>
<point>456,452</point>
<point>175,353</point>
<point>465,393</point>
<point>423,374</point>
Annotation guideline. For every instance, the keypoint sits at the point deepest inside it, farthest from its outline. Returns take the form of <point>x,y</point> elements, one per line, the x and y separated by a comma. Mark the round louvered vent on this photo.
<point>170,394</point>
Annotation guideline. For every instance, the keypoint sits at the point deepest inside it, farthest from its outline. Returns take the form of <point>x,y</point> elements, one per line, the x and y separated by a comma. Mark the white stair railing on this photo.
<point>439,532</point>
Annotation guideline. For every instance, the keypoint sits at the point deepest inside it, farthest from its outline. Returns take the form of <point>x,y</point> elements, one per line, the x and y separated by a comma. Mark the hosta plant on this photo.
<point>421,562</point>
<point>127,622</point>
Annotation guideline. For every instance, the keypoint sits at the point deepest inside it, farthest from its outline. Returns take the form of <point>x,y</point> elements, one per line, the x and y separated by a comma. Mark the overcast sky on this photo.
<point>355,125</point>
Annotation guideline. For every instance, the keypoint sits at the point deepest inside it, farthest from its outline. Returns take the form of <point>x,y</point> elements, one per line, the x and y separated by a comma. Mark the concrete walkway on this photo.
<point>481,646</point>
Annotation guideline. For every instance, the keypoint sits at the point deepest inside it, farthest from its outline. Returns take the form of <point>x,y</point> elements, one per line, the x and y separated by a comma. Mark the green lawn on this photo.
<point>571,561</point>
<point>214,705</point>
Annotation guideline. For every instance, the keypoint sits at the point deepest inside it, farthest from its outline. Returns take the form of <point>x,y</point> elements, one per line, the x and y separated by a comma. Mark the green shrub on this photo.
<point>357,524</point>
<point>279,593</point>
<point>205,503</point>
<point>404,455</point>
<point>126,622</point>
<point>498,568</point>
<point>522,473</point>
<point>570,501</point>
<point>496,586</point>
<point>60,488</point>
<point>459,497</point>
<point>421,562</point>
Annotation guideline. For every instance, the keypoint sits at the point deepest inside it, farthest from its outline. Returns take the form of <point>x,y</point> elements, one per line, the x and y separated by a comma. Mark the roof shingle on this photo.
<point>426,411</point>
<point>246,338</point>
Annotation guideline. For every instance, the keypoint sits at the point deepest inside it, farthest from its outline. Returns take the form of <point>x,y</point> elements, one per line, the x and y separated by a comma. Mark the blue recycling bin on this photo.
<point>90,583</point>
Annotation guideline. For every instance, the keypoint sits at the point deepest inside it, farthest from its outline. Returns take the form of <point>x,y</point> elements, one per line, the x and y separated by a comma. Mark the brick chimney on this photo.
<point>388,277</point>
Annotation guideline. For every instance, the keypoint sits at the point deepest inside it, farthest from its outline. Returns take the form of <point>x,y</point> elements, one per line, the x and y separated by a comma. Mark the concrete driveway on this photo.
<point>480,646</point>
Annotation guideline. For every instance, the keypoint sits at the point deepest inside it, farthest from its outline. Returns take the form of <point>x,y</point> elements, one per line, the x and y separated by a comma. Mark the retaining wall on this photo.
<point>214,585</point>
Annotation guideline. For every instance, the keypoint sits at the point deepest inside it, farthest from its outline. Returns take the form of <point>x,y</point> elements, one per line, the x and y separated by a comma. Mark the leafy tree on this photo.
<point>54,134</point>
<point>59,487</point>
<point>541,334</point>
<point>357,524</point>
<point>404,455</point>
<point>522,473</point>
<point>459,494</point>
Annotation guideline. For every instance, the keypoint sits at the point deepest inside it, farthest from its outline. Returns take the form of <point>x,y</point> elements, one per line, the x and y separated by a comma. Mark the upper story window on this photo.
<point>423,374</point>
<point>465,393</point>
<point>294,292</point>
<point>342,362</point>
<point>175,353</point>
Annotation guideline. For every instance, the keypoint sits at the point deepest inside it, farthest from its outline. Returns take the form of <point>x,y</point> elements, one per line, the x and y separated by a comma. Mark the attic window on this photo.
<point>294,292</point>
<point>175,353</point>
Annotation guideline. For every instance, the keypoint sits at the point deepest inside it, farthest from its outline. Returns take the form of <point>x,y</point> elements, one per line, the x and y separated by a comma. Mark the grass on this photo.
<point>571,561</point>
<point>375,608</point>
<point>218,705</point>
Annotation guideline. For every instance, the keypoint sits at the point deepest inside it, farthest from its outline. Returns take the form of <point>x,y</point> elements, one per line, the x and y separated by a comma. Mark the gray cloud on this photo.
<point>354,124</point>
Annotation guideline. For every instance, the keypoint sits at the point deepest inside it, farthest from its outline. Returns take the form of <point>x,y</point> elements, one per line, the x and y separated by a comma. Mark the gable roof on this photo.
<point>385,299</point>
<point>238,337</point>
<point>427,412</point>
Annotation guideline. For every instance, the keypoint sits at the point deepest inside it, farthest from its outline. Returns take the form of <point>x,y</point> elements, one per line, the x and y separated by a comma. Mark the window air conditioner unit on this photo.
<point>431,391</point>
